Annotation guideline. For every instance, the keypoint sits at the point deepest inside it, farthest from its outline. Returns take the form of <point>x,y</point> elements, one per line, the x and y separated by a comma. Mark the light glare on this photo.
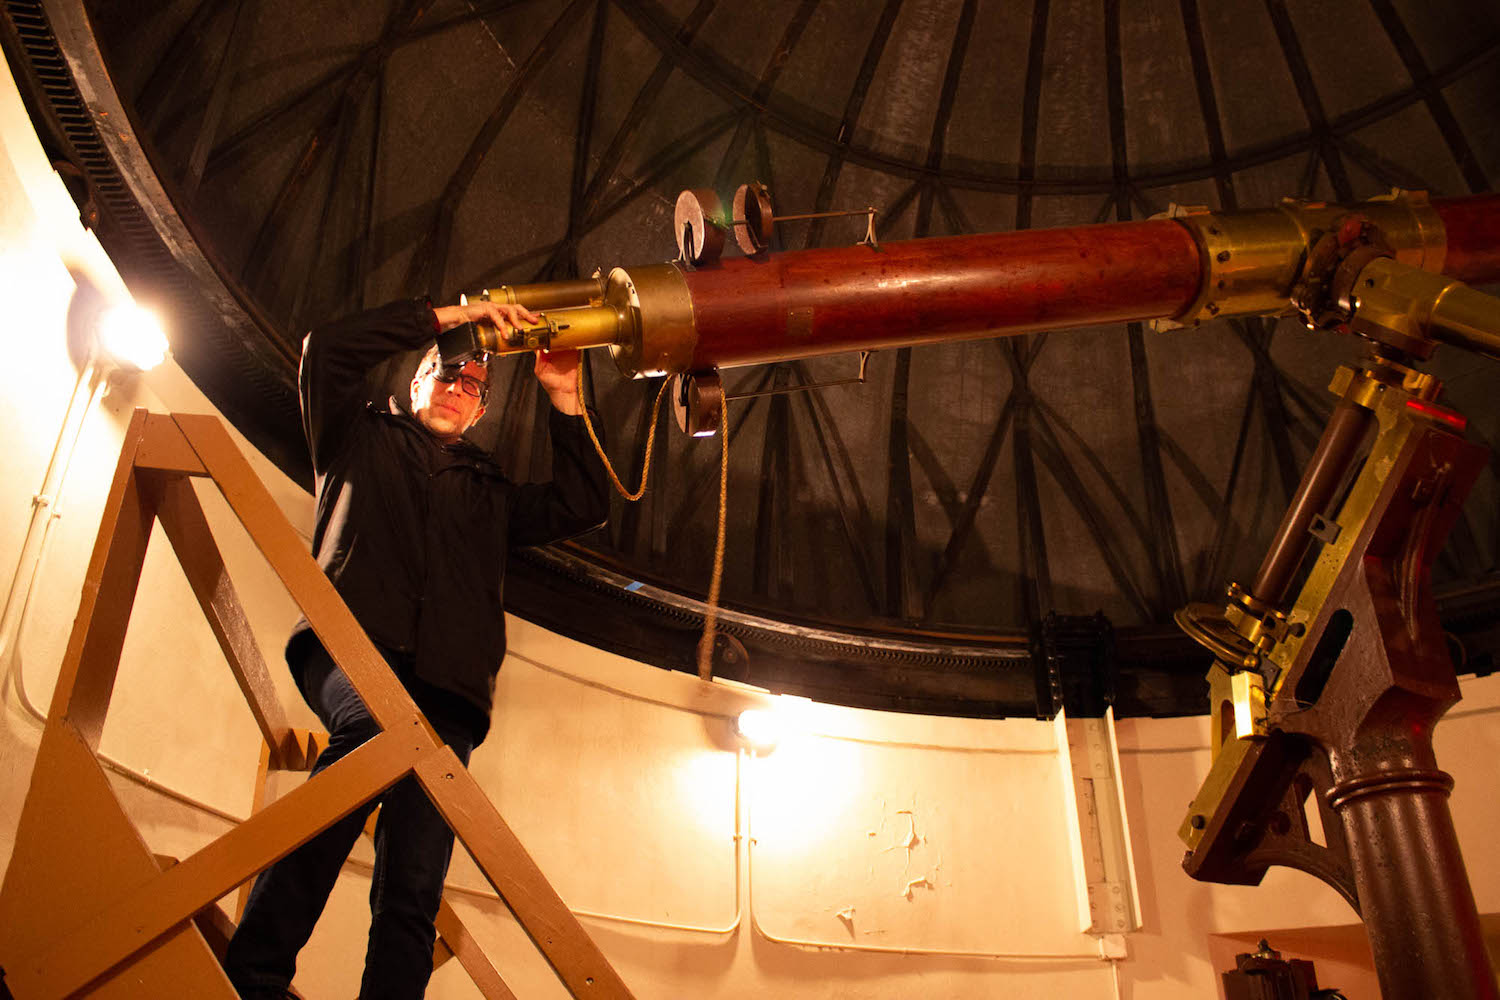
<point>132,336</point>
<point>761,728</point>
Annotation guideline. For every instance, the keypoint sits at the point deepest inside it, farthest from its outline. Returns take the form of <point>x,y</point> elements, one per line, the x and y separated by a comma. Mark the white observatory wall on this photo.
<point>870,856</point>
<point>177,719</point>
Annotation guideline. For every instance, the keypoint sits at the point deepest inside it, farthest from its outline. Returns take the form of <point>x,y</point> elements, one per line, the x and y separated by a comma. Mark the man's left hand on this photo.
<point>501,315</point>
<point>557,372</point>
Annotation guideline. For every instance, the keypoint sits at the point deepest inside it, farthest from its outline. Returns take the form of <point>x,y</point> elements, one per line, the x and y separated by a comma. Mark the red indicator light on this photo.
<point>1432,411</point>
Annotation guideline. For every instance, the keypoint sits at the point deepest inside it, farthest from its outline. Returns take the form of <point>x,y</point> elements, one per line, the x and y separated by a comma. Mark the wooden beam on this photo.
<point>462,946</point>
<point>1437,103</point>
<point>218,99</point>
<point>900,531</point>
<point>258,799</point>
<point>853,105</point>
<point>187,528</point>
<point>87,677</point>
<point>164,449</point>
<point>284,549</point>
<point>55,882</point>
<point>132,923</point>
<point>1208,105</point>
<point>557,934</point>
<point>430,263</point>
<point>855,522</point>
<point>1312,105</point>
<point>645,99</point>
<point>117,909</point>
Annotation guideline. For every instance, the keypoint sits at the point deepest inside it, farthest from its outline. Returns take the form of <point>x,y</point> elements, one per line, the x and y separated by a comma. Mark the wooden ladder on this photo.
<point>85,906</point>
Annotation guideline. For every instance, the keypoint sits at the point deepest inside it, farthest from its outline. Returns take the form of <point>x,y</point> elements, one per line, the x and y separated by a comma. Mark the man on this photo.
<point>412,525</point>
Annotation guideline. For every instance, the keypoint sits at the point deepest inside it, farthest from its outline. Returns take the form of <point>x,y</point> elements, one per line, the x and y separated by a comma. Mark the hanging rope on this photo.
<point>711,613</point>
<point>650,439</point>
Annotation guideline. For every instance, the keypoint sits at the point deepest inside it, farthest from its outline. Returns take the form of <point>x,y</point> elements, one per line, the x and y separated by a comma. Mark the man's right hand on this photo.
<point>501,315</point>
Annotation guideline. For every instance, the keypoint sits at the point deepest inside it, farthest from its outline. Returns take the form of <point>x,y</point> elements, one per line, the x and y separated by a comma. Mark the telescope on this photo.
<point>1405,259</point>
<point>1330,668</point>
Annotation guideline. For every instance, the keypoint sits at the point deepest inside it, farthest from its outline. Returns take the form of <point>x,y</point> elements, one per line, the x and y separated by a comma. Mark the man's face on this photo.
<point>447,409</point>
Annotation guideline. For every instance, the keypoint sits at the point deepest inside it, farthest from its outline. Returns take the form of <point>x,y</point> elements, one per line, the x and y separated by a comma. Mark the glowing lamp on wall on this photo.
<point>132,337</point>
<point>760,729</point>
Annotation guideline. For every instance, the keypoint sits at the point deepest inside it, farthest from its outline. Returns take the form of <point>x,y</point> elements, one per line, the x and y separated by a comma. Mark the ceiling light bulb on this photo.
<point>132,336</point>
<point>760,728</point>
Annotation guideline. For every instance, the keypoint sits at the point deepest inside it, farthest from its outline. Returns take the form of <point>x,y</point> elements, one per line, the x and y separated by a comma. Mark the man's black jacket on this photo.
<point>412,533</point>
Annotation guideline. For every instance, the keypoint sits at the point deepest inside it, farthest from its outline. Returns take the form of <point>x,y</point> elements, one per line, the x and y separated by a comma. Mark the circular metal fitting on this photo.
<point>754,220</point>
<point>1205,624</point>
<point>700,236</point>
<point>1411,781</point>
<point>661,334</point>
<point>1239,595</point>
<point>698,402</point>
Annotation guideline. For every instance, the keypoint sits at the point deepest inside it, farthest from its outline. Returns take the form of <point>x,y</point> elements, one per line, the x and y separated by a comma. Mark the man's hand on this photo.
<point>557,373</point>
<point>501,315</point>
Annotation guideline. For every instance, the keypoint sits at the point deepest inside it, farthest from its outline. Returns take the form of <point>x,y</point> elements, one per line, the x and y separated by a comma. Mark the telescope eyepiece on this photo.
<point>457,347</point>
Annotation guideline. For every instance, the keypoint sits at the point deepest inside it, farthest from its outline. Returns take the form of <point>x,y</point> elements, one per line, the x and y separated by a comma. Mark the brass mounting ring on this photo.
<point>1204,623</point>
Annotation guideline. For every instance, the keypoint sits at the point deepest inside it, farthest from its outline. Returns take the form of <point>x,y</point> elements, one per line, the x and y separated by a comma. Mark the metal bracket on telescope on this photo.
<point>755,221</point>
<point>700,232</point>
<point>857,378</point>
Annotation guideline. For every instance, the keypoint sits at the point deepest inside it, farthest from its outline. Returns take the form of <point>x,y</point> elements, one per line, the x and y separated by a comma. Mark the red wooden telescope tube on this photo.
<point>1180,271</point>
<point>1472,229</point>
<point>796,305</point>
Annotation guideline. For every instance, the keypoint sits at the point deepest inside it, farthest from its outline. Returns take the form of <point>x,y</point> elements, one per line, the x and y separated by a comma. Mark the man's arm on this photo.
<point>557,373</point>
<point>337,356</point>
<point>498,314</point>
<point>577,499</point>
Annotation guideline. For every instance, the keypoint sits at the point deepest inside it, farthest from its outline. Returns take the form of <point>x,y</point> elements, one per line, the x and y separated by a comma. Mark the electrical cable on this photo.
<point>90,385</point>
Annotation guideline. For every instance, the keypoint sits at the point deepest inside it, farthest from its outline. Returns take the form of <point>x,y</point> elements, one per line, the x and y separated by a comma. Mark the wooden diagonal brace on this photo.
<point>334,623</point>
<point>186,526</point>
<point>151,910</point>
<point>87,677</point>
<point>573,955</point>
<point>462,946</point>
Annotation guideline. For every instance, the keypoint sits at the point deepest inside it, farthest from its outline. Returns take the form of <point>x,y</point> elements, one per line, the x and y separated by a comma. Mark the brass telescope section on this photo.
<point>550,294</point>
<point>1416,305</point>
<point>1248,675</point>
<point>563,330</point>
<point>1252,260</point>
<point>664,336</point>
<point>644,316</point>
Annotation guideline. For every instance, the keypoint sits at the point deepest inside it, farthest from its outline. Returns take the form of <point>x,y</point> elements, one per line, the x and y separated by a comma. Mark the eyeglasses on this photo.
<point>468,383</point>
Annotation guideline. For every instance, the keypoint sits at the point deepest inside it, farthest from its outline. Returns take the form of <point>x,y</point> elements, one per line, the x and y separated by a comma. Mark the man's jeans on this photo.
<point>412,849</point>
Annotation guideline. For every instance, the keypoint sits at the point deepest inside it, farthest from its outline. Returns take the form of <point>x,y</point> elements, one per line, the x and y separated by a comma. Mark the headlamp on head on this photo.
<point>456,348</point>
